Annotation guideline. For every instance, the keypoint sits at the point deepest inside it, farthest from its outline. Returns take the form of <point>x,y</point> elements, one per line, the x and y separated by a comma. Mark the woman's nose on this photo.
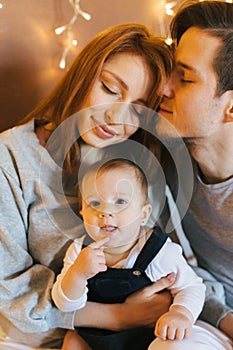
<point>116,113</point>
<point>108,117</point>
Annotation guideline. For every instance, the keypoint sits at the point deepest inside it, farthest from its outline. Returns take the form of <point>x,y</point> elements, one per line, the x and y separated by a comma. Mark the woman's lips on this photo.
<point>103,130</point>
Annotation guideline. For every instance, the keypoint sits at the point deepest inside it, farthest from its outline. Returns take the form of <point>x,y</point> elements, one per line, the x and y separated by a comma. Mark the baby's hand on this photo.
<point>91,260</point>
<point>174,324</point>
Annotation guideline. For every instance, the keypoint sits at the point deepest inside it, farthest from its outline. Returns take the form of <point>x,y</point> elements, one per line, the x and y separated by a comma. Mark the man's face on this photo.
<point>190,102</point>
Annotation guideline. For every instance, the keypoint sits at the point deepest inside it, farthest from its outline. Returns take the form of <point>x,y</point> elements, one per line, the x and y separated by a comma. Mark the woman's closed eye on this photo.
<point>109,89</point>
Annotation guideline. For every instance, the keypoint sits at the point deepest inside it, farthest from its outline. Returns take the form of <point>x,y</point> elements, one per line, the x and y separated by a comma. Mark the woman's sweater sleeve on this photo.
<point>25,285</point>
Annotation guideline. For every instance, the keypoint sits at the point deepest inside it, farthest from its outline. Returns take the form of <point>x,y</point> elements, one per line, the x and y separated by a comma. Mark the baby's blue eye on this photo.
<point>121,201</point>
<point>94,203</point>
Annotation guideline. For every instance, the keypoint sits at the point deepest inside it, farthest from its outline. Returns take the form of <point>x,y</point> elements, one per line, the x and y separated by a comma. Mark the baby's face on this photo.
<point>113,206</point>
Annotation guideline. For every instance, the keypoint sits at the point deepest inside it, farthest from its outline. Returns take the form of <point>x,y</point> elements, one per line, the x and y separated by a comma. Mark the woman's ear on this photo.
<point>146,211</point>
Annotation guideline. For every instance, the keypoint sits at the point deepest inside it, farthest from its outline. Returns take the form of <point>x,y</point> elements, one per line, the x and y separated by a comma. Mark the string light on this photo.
<point>68,29</point>
<point>168,40</point>
<point>167,9</point>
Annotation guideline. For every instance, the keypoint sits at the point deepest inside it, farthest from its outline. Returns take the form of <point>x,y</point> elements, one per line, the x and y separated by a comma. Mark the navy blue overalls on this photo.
<point>114,286</point>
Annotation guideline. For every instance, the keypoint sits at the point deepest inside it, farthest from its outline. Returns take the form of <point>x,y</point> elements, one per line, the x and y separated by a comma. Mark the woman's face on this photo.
<point>111,112</point>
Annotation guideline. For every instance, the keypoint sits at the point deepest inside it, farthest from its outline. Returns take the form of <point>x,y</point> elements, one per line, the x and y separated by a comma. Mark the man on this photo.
<point>198,103</point>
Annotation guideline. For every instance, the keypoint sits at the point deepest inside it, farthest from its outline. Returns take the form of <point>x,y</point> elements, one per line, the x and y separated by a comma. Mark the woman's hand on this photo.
<point>142,308</point>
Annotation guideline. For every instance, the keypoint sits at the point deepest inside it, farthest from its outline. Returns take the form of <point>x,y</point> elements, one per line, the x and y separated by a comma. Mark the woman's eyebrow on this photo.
<point>117,78</point>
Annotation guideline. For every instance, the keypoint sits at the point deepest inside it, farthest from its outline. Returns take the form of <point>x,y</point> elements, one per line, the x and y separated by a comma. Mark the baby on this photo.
<point>123,257</point>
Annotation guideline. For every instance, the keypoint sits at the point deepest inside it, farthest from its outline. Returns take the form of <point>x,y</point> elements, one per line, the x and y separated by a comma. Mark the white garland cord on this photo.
<point>68,29</point>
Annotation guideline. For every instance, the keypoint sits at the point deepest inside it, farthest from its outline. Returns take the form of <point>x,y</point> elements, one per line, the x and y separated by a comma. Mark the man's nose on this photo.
<point>167,89</point>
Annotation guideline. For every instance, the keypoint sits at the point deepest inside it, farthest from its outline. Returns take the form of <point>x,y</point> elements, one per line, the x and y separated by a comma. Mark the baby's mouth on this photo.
<point>108,228</point>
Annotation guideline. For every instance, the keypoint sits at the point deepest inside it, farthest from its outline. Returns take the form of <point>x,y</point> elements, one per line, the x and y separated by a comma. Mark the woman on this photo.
<point>98,103</point>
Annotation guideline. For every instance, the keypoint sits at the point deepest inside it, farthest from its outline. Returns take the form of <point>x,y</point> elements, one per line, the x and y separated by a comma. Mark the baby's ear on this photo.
<point>146,211</point>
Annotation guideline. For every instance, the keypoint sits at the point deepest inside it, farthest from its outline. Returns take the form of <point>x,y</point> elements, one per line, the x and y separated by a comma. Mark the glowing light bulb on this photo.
<point>60,30</point>
<point>62,64</point>
<point>169,12</point>
<point>85,15</point>
<point>169,8</point>
<point>74,42</point>
<point>168,40</point>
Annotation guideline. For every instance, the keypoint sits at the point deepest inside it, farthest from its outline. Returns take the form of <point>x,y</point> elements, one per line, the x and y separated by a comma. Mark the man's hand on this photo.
<point>142,308</point>
<point>226,325</point>
<point>145,306</point>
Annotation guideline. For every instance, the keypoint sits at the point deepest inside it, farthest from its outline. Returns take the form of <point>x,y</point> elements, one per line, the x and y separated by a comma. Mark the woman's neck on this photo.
<point>42,134</point>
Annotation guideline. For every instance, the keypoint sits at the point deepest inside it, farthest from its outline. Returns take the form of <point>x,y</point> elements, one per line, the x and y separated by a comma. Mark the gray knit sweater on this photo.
<point>36,222</point>
<point>208,226</point>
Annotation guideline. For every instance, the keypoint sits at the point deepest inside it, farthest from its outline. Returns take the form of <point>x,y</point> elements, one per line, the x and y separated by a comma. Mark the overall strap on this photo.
<point>151,248</point>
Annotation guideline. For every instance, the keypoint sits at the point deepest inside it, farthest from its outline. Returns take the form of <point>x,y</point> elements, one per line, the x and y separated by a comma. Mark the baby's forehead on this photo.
<point>116,179</point>
<point>122,172</point>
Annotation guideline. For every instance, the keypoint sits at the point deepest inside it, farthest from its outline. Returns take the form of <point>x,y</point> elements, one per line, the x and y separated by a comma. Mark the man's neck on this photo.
<point>215,161</point>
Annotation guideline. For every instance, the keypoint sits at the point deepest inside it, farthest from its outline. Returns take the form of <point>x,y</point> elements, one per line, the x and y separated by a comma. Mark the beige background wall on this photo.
<point>30,51</point>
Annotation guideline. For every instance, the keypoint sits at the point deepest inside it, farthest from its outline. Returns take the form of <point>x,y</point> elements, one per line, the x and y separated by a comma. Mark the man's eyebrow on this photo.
<point>180,64</point>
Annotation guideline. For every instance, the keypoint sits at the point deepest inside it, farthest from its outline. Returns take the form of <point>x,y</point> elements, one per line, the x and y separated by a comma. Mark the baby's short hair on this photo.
<point>116,163</point>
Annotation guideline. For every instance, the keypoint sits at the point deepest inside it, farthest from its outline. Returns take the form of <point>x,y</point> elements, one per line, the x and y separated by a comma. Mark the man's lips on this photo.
<point>165,109</point>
